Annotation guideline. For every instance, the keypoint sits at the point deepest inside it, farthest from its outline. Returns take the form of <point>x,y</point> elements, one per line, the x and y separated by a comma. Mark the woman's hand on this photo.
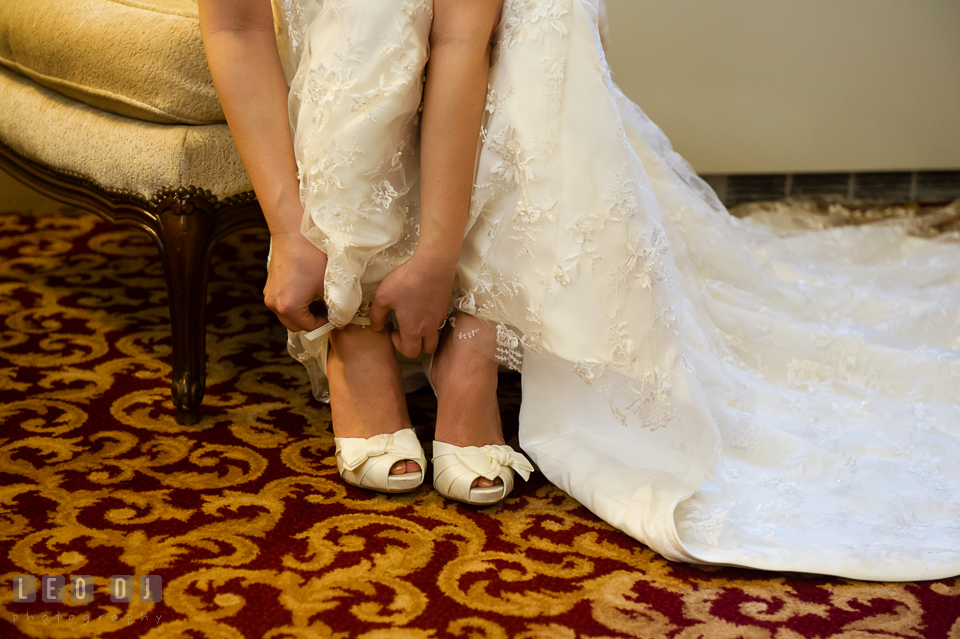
<point>241,46</point>
<point>418,292</point>
<point>295,280</point>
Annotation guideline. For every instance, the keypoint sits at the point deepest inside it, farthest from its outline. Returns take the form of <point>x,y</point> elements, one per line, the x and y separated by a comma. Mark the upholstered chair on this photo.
<point>108,105</point>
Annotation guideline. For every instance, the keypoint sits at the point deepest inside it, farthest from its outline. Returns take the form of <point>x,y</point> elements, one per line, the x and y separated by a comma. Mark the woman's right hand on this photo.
<point>241,46</point>
<point>295,280</point>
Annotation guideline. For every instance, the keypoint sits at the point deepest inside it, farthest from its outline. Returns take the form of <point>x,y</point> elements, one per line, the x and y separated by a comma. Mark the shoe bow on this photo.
<point>487,461</point>
<point>354,451</point>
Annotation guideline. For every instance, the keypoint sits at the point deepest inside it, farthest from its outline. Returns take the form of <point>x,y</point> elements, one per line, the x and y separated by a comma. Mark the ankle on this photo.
<point>366,387</point>
<point>465,357</point>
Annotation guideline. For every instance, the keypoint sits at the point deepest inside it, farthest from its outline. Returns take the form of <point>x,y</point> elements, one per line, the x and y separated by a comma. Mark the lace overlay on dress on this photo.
<point>739,391</point>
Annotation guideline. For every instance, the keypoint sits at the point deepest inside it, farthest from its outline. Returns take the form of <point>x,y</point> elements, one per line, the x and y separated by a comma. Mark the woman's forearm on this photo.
<point>242,53</point>
<point>453,104</point>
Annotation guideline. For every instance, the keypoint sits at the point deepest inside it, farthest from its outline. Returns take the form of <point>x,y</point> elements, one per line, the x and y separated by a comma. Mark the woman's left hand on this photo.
<point>418,292</point>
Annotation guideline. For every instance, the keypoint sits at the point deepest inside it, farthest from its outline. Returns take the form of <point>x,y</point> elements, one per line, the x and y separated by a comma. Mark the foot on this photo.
<point>465,377</point>
<point>366,388</point>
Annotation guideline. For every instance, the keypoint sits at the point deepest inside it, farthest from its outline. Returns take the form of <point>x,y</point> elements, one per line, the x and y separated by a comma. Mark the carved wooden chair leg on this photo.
<point>186,224</point>
<point>185,239</point>
<point>191,223</point>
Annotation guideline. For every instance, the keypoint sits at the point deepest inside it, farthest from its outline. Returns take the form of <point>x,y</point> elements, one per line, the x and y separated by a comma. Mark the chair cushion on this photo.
<point>143,59</point>
<point>115,151</point>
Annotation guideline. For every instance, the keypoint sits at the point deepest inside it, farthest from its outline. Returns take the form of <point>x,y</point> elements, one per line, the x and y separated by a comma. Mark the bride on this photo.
<point>722,390</point>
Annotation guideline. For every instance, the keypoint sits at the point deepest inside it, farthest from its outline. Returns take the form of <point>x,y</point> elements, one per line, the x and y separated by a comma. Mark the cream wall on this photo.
<point>771,86</point>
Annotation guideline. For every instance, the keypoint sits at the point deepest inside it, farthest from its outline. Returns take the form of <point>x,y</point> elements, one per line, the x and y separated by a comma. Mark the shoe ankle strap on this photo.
<point>329,326</point>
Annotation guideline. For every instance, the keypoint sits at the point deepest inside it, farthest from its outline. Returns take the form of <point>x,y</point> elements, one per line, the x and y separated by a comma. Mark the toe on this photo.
<point>402,467</point>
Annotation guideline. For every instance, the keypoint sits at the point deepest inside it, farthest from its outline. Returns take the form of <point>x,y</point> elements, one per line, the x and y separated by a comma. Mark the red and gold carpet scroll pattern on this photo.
<point>244,515</point>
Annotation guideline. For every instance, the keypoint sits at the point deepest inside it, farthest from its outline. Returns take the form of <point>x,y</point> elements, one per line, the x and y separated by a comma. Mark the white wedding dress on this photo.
<point>725,391</point>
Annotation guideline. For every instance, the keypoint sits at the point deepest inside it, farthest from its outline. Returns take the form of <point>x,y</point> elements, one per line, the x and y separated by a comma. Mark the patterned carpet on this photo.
<point>245,518</point>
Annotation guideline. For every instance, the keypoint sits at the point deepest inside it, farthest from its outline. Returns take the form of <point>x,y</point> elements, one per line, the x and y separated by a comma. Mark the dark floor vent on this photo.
<point>820,184</point>
<point>754,188</point>
<point>889,186</point>
<point>933,186</point>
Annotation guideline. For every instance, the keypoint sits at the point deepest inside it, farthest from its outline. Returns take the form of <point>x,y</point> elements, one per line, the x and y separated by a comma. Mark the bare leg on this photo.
<point>366,389</point>
<point>418,291</point>
<point>468,413</point>
<point>454,96</point>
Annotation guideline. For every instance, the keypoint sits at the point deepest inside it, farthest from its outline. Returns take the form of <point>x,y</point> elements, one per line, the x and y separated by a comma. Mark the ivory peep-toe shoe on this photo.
<point>366,462</point>
<point>456,467</point>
